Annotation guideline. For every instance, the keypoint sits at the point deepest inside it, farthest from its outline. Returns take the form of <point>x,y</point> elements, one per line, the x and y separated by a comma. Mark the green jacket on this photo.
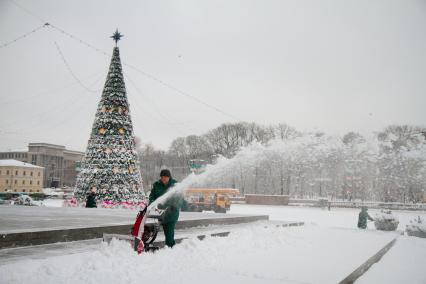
<point>362,219</point>
<point>172,204</point>
<point>91,201</point>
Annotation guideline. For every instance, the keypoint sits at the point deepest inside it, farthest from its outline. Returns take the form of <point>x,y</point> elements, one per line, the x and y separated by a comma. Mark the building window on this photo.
<point>38,182</point>
<point>7,181</point>
<point>31,174</point>
<point>34,159</point>
<point>24,173</point>
<point>23,190</point>
<point>16,182</point>
<point>31,190</point>
<point>7,172</point>
<point>31,182</point>
<point>38,173</point>
<point>23,182</point>
<point>16,173</point>
<point>14,190</point>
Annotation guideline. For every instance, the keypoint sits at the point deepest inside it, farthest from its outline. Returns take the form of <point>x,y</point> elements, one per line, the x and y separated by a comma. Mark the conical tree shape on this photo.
<point>111,163</point>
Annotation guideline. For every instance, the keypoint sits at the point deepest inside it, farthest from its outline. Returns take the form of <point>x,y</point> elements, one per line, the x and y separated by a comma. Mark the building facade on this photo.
<point>60,165</point>
<point>17,176</point>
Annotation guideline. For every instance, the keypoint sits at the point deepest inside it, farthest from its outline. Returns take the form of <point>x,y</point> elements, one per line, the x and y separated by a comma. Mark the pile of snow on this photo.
<point>386,221</point>
<point>254,253</point>
<point>417,228</point>
<point>26,200</point>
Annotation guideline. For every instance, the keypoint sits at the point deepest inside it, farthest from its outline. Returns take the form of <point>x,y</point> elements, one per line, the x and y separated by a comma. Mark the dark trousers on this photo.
<point>169,232</point>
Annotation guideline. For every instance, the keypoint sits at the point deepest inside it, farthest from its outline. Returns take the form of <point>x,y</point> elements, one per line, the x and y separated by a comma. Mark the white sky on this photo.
<point>328,65</point>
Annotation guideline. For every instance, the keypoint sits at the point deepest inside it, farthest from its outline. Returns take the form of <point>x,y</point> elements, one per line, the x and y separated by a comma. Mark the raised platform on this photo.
<point>26,226</point>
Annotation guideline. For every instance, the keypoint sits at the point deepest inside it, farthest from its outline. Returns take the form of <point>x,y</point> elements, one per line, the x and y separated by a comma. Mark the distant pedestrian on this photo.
<point>362,218</point>
<point>91,199</point>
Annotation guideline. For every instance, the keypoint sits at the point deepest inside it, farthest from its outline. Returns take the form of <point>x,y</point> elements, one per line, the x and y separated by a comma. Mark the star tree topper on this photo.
<point>116,36</point>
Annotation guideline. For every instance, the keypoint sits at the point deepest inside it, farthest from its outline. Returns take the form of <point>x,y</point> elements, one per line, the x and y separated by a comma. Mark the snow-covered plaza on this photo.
<point>325,250</point>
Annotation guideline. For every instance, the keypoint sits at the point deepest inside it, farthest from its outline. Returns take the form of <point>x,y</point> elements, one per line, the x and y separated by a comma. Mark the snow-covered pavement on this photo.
<point>335,218</point>
<point>325,250</point>
<point>404,263</point>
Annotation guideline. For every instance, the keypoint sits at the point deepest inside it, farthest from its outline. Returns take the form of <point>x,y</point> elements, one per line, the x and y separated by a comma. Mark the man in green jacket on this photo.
<point>362,218</point>
<point>172,205</point>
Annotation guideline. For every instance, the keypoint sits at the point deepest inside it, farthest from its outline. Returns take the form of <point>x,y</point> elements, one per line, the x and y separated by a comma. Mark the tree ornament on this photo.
<point>121,131</point>
<point>102,130</point>
<point>116,36</point>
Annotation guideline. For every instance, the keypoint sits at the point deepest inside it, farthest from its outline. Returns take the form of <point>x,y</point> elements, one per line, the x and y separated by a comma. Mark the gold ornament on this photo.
<point>130,170</point>
<point>115,170</point>
<point>121,131</point>
<point>102,130</point>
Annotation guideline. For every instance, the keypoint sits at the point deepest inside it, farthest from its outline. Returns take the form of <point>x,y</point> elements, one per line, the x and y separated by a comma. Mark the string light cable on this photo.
<point>24,35</point>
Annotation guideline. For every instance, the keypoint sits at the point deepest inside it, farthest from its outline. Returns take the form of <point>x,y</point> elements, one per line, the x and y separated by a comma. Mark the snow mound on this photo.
<point>253,254</point>
<point>386,221</point>
<point>417,228</point>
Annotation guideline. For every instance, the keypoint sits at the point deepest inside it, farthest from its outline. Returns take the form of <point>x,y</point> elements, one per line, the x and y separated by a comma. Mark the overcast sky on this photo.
<point>327,65</point>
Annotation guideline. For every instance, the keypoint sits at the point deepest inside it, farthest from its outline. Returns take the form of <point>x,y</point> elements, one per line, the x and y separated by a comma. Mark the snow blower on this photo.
<point>143,233</point>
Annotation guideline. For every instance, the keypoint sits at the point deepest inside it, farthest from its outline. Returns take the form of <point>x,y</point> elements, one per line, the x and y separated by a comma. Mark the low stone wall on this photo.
<point>48,236</point>
<point>267,199</point>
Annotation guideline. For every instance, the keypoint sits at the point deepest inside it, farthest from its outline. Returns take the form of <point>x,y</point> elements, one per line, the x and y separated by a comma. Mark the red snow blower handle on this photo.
<point>138,222</point>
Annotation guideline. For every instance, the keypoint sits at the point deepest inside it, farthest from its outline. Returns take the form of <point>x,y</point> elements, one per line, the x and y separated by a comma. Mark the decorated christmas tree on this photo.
<point>111,163</point>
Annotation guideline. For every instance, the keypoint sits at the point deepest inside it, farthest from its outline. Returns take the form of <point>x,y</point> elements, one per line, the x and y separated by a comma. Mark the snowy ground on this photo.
<point>404,263</point>
<point>335,218</point>
<point>325,250</point>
